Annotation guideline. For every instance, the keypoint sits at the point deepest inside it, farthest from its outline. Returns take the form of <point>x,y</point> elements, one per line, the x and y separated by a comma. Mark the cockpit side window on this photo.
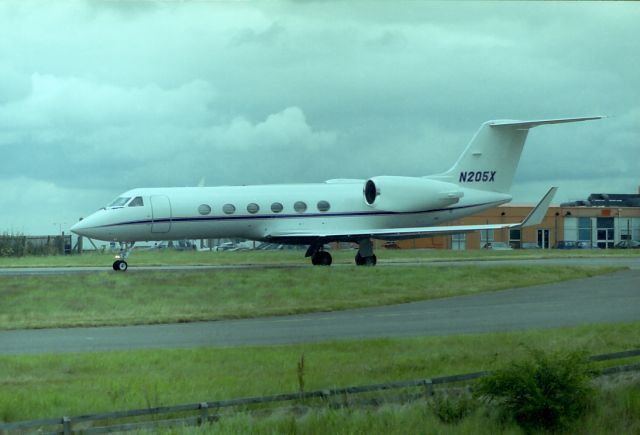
<point>136,202</point>
<point>119,202</point>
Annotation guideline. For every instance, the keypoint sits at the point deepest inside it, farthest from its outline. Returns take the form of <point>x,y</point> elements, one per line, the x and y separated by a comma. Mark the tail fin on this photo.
<point>490,160</point>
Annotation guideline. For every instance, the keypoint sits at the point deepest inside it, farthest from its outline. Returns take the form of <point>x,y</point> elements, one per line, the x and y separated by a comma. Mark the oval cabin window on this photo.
<point>276,207</point>
<point>323,206</point>
<point>300,207</point>
<point>253,208</point>
<point>204,209</point>
<point>229,208</point>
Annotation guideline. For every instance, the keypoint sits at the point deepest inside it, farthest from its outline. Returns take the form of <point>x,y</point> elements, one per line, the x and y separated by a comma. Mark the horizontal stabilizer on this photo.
<point>531,124</point>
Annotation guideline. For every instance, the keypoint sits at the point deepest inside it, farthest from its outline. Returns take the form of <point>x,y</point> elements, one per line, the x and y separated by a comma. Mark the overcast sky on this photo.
<point>100,97</point>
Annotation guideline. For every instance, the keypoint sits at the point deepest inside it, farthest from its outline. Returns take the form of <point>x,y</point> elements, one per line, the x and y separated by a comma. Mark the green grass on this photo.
<point>296,257</point>
<point>52,385</point>
<point>616,411</point>
<point>109,298</point>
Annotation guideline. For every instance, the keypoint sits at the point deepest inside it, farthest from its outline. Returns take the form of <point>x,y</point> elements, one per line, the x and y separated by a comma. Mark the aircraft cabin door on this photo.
<point>160,214</point>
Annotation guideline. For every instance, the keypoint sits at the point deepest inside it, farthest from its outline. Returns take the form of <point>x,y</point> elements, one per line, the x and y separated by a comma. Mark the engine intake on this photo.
<point>409,194</point>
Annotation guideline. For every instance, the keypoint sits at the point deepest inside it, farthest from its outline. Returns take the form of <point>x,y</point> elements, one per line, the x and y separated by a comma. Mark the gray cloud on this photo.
<point>100,97</point>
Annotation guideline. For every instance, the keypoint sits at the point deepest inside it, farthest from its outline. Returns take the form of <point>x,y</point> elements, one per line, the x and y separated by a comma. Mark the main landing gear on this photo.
<point>120,265</point>
<point>321,258</point>
<point>364,257</point>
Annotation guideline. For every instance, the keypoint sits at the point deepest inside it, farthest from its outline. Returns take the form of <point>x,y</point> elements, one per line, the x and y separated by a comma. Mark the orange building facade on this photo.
<point>601,227</point>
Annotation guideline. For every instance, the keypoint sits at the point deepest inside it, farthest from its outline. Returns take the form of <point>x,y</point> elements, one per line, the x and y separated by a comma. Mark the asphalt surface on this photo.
<point>602,299</point>
<point>630,262</point>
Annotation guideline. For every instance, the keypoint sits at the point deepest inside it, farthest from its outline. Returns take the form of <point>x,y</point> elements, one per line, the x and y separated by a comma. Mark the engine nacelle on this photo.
<point>409,194</point>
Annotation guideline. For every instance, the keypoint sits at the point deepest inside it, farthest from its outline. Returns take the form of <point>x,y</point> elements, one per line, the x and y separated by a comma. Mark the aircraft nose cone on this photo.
<point>79,227</point>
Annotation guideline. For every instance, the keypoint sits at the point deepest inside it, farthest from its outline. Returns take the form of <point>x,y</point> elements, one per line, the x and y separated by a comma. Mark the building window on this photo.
<point>635,228</point>
<point>624,226</point>
<point>584,229</point>
<point>323,206</point>
<point>253,208</point>
<point>204,209</point>
<point>229,209</point>
<point>458,242</point>
<point>300,207</point>
<point>276,207</point>
<point>486,236</point>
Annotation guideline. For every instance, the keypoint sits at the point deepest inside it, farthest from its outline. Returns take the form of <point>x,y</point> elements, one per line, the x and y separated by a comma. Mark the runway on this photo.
<point>630,262</point>
<point>602,299</point>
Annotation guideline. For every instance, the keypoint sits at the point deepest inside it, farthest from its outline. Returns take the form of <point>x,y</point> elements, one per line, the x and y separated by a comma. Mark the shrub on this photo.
<point>546,392</point>
<point>452,407</point>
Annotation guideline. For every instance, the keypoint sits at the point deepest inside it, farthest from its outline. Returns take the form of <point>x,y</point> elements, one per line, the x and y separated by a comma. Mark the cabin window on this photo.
<point>253,208</point>
<point>119,202</point>
<point>229,209</point>
<point>136,202</point>
<point>323,206</point>
<point>276,207</point>
<point>204,209</point>
<point>300,207</point>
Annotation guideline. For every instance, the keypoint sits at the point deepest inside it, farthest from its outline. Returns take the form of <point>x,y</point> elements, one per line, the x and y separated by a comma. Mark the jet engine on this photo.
<point>409,194</point>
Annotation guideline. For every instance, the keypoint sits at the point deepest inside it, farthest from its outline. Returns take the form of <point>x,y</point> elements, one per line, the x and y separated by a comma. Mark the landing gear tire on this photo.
<point>120,266</point>
<point>321,258</point>
<point>366,261</point>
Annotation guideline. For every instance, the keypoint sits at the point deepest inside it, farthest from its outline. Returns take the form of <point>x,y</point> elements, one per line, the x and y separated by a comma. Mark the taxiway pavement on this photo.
<point>601,299</point>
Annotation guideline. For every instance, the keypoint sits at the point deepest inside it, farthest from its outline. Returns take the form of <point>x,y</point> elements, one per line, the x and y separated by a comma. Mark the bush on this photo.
<point>547,392</point>
<point>451,407</point>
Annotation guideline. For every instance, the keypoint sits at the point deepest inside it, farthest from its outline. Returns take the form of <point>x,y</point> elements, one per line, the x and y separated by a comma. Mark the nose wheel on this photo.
<point>120,266</point>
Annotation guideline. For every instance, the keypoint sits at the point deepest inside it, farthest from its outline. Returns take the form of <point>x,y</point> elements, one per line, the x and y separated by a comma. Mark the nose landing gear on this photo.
<point>120,265</point>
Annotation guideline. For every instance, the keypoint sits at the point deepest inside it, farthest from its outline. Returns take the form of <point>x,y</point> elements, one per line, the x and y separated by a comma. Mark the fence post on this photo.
<point>66,426</point>
<point>204,413</point>
<point>428,387</point>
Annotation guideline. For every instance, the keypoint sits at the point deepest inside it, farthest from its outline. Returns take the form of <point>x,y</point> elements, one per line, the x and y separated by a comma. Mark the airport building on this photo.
<point>602,221</point>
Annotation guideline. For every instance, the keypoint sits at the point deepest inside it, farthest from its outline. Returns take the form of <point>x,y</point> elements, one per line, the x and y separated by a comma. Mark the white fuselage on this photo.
<point>205,212</point>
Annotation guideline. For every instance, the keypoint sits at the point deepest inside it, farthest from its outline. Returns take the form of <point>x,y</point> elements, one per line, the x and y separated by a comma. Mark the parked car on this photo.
<point>497,246</point>
<point>178,245</point>
<point>628,244</point>
<point>566,244</point>
<point>529,245</point>
<point>586,245</point>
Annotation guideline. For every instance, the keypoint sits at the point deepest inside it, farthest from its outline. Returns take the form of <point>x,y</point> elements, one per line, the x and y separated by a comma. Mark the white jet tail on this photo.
<point>490,160</point>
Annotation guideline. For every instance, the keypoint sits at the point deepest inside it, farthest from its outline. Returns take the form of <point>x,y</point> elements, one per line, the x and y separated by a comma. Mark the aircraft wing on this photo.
<point>534,218</point>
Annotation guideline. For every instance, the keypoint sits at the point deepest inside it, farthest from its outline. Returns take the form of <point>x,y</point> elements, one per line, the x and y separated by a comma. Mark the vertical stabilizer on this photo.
<point>490,160</point>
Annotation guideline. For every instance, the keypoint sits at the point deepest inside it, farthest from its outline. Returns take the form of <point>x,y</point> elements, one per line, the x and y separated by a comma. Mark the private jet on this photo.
<point>340,210</point>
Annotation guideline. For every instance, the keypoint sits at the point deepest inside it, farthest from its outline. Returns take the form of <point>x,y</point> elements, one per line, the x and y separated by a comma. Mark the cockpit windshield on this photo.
<point>136,202</point>
<point>119,202</point>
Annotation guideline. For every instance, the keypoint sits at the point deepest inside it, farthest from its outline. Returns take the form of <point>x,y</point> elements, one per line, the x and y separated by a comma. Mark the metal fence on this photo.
<point>206,412</point>
<point>19,246</point>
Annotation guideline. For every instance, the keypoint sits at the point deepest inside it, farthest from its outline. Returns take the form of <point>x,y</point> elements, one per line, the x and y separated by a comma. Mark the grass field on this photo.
<point>109,298</point>
<point>296,257</point>
<point>53,385</point>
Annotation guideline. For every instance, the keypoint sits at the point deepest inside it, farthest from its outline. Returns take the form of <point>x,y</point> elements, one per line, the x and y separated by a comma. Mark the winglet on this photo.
<point>539,211</point>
